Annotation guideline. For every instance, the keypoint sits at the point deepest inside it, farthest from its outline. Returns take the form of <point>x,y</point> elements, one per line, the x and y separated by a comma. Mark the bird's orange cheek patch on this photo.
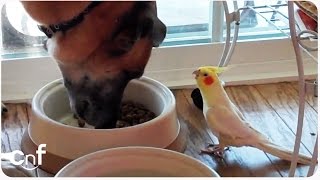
<point>208,80</point>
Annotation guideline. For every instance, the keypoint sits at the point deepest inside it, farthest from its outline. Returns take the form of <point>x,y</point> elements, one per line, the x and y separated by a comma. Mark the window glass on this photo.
<point>187,21</point>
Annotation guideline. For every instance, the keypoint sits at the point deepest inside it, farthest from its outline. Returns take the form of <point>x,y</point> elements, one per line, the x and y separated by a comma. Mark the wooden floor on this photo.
<point>272,109</point>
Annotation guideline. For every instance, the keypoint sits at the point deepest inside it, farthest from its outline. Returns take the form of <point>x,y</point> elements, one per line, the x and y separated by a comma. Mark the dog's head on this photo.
<point>103,53</point>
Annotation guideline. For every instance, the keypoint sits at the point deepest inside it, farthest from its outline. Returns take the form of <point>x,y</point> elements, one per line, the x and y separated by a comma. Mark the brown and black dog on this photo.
<point>99,52</point>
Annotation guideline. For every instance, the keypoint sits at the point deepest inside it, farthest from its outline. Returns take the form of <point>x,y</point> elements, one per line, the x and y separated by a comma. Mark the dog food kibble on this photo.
<point>133,114</point>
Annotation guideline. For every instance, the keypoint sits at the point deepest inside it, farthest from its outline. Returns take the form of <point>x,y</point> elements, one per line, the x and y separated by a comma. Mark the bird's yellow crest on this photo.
<point>215,69</point>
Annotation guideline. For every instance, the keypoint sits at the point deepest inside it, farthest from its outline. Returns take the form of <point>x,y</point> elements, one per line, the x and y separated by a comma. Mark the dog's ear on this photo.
<point>159,29</point>
<point>158,32</point>
<point>140,22</point>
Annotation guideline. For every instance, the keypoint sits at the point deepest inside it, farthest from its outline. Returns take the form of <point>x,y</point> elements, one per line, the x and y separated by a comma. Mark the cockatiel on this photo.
<point>226,121</point>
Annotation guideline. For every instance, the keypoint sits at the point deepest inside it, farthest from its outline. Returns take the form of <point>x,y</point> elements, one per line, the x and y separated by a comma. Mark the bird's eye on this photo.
<point>205,74</point>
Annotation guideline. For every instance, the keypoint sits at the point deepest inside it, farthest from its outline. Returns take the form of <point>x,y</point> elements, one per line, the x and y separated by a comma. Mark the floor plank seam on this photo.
<point>306,96</point>
<point>27,113</point>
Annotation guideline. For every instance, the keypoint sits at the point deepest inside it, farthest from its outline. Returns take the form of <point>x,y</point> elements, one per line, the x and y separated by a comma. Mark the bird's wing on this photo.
<point>225,121</point>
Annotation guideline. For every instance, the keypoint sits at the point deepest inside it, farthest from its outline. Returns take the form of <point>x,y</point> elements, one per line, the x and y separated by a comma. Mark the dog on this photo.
<point>99,46</point>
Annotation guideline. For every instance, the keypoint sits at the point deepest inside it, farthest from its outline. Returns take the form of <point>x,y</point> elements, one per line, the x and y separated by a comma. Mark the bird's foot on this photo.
<point>214,150</point>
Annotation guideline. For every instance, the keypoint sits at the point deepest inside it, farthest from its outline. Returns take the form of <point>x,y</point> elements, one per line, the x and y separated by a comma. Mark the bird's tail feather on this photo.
<point>281,152</point>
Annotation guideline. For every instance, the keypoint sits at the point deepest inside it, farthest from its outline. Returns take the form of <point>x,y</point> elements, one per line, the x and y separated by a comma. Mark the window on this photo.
<point>196,32</point>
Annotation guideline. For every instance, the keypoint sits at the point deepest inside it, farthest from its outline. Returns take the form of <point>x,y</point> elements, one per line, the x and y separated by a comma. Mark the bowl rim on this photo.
<point>105,152</point>
<point>40,112</point>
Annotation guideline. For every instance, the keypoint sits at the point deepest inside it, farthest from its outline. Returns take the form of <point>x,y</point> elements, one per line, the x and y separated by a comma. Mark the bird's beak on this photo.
<point>197,72</point>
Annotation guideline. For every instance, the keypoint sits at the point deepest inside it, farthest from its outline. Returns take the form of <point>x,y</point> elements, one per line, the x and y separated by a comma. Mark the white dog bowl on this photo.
<point>51,104</point>
<point>136,162</point>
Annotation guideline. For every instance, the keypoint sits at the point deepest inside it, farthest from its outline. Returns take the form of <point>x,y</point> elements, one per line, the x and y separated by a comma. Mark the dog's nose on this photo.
<point>81,107</point>
<point>99,110</point>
